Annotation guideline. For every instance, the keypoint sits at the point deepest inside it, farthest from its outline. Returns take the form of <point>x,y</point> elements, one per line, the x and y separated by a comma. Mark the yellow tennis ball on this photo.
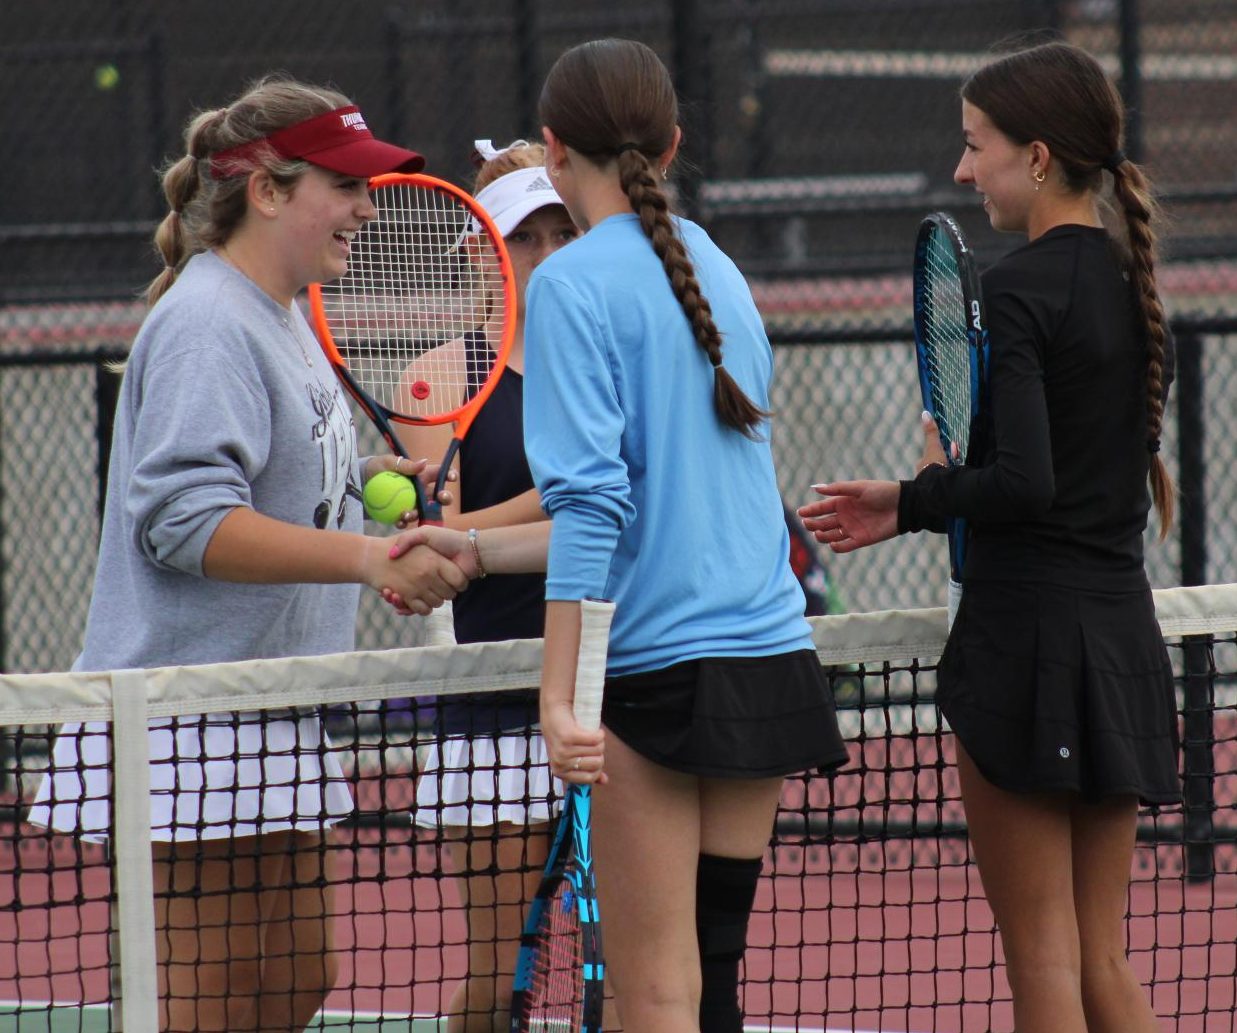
<point>388,496</point>
<point>107,77</point>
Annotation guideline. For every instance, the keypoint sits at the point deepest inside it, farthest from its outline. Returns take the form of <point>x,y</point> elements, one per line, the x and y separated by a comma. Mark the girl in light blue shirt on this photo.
<point>647,376</point>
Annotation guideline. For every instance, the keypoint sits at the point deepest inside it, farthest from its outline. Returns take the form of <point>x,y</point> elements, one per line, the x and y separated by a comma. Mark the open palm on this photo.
<point>853,514</point>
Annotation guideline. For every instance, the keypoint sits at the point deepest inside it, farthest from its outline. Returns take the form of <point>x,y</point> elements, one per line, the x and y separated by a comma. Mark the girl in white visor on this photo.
<point>486,782</point>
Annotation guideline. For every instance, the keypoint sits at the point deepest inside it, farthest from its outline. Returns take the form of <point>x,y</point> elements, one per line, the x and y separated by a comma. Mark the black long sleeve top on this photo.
<point>1056,483</point>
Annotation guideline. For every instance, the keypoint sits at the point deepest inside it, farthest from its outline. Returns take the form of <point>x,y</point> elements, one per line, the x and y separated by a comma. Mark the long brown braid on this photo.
<point>613,100</point>
<point>1133,194</point>
<point>1059,94</point>
<point>204,212</point>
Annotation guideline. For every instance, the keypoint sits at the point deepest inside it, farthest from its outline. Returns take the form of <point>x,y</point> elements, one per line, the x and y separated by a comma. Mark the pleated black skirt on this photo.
<point>729,717</point>
<point>1051,688</point>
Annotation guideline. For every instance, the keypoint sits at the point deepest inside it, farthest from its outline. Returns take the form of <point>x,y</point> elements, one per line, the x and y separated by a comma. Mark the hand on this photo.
<point>420,578</point>
<point>451,545</point>
<point>853,514</point>
<point>933,454</point>
<point>423,469</point>
<point>576,754</point>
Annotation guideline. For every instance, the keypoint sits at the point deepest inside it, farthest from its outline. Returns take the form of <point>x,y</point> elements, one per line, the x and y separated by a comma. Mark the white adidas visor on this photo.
<point>512,198</point>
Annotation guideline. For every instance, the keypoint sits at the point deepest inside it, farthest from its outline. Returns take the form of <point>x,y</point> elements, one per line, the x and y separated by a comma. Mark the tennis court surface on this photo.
<point>870,915</point>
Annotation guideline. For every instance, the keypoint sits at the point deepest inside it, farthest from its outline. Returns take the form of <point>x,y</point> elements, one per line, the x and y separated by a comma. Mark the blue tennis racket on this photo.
<point>951,348</point>
<point>559,982</point>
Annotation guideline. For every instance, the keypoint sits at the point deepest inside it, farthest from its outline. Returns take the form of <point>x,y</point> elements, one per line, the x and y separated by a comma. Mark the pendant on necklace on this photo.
<point>287,325</point>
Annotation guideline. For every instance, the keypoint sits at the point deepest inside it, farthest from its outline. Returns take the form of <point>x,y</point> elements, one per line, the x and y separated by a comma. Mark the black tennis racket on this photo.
<point>559,982</point>
<point>420,326</point>
<point>951,349</point>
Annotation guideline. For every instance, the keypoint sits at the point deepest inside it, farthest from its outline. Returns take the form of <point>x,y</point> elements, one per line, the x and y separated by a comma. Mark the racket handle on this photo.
<point>595,618</point>
<point>955,597</point>
<point>440,626</point>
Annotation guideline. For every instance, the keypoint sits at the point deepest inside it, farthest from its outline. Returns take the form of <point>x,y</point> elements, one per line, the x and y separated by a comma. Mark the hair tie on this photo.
<point>1153,445</point>
<point>629,146</point>
<point>1114,161</point>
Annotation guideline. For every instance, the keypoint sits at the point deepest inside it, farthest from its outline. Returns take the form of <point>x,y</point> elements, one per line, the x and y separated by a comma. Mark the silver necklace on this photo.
<point>285,321</point>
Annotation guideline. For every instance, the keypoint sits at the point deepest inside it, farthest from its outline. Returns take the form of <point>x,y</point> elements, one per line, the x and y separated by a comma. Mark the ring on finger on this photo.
<point>576,765</point>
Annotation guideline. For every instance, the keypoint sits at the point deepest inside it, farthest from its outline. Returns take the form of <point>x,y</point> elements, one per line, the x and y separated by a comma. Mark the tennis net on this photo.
<point>870,915</point>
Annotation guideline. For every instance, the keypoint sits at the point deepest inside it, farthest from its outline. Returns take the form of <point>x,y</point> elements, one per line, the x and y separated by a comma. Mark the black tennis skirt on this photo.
<point>1051,688</point>
<point>729,717</point>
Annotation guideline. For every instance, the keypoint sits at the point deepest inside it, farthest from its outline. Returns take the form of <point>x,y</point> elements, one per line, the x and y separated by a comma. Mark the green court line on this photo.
<point>46,1017</point>
<point>43,1017</point>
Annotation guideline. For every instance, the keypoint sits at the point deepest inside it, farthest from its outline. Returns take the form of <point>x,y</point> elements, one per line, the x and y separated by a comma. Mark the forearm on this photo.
<point>250,547</point>
<point>562,645</point>
<point>522,549</point>
<point>523,509</point>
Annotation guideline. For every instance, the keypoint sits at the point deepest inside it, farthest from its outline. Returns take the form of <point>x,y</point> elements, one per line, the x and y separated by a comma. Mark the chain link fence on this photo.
<point>817,134</point>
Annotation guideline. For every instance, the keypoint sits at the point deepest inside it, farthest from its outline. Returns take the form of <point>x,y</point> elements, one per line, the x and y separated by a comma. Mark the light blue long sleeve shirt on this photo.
<point>655,503</point>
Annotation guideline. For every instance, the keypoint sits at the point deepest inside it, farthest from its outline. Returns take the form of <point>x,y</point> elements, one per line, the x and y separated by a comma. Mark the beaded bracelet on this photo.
<point>476,551</point>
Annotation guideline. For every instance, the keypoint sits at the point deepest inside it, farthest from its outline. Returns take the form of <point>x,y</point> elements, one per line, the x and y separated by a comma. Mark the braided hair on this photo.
<point>203,211</point>
<point>612,100</point>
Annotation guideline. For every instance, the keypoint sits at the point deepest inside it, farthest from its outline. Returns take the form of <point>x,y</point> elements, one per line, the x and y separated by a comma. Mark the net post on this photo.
<point>135,891</point>
<point>1198,759</point>
<point>1191,458</point>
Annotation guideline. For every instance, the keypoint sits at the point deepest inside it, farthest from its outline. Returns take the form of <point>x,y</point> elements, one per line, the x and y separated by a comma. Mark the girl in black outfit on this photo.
<point>486,781</point>
<point>1055,678</point>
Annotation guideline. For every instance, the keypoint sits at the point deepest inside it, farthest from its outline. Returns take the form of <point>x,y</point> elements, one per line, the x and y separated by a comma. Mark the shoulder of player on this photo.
<point>1038,268</point>
<point>205,320</point>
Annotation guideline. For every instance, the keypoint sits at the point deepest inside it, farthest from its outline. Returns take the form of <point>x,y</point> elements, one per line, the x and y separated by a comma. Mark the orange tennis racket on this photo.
<point>420,326</point>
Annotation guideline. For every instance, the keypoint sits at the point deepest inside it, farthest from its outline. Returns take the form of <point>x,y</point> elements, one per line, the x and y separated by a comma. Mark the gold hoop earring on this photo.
<point>1039,176</point>
<point>555,171</point>
<point>664,170</point>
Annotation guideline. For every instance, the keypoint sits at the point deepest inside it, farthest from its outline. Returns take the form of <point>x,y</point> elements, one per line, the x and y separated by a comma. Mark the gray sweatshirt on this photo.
<point>227,401</point>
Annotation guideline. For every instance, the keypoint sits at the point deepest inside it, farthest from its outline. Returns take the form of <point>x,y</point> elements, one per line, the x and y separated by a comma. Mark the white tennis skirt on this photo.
<point>217,776</point>
<point>466,783</point>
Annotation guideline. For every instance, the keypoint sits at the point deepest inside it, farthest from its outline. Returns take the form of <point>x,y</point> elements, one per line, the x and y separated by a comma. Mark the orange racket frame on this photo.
<point>461,416</point>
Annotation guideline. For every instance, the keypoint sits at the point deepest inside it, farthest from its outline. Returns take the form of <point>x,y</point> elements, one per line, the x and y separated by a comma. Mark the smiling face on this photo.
<point>537,237</point>
<point>317,220</point>
<point>1000,169</point>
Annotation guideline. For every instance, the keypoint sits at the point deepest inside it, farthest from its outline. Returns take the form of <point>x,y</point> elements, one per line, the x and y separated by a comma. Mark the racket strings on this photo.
<point>414,317</point>
<point>944,324</point>
<point>556,992</point>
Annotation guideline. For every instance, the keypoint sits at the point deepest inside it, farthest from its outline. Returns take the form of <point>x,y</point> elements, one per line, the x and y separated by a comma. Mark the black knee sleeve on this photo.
<point>725,891</point>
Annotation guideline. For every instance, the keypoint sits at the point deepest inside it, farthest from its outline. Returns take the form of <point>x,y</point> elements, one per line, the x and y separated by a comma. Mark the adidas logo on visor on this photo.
<point>540,183</point>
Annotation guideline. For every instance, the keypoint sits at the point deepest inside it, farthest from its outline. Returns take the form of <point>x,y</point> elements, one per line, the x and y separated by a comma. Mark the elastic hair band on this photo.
<point>1114,161</point>
<point>629,146</point>
<point>1153,445</point>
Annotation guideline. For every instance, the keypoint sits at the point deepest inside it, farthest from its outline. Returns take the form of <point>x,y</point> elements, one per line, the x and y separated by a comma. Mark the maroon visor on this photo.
<point>338,140</point>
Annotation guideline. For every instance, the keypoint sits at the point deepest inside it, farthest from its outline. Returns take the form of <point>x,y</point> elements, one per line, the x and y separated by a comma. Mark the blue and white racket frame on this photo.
<point>978,356</point>
<point>571,851</point>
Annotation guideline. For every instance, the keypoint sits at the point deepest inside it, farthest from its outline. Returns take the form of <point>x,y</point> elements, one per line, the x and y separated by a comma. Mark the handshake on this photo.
<point>441,561</point>
<point>422,567</point>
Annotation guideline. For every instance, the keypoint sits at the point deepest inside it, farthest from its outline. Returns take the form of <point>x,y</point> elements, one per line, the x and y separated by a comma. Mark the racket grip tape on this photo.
<point>595,618</point>
<point>955,598</point>
<point>440,626</point>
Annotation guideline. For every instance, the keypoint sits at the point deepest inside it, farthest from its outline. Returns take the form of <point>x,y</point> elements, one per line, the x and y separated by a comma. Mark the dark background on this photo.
<point>817,135</point>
